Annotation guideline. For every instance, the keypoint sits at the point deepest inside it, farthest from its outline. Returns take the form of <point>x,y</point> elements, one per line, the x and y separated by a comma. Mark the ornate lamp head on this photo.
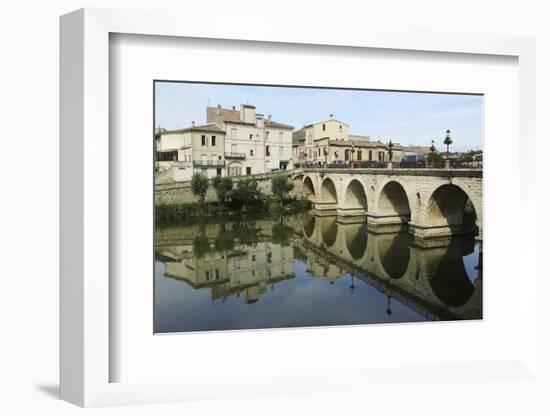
<point>448,139</point>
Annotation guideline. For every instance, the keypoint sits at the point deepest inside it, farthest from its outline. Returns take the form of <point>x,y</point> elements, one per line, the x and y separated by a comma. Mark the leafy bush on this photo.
<point>247,197</point>
<point>199,186</point>
<point>223,187</point>
<point>165,214</point>
<point>281,186</point>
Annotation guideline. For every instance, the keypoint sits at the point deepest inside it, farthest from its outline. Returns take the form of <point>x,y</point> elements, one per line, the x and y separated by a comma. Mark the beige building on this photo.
<point>183,152</point>
<point>322,143</point>
<point>253,144</point>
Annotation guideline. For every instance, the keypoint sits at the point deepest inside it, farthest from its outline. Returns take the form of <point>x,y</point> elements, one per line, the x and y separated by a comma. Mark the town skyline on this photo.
<point>404,117</point>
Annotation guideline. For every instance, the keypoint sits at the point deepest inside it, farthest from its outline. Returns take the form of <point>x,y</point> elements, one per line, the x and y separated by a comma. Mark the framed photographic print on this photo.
<point>242,215</point>
<point>260,224</point>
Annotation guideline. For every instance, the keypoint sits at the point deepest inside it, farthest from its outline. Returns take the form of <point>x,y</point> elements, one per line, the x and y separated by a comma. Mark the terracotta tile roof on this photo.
<point>226,114</point>
<point>327,121</point>
<point>356,143</point>
<point>275,124</point>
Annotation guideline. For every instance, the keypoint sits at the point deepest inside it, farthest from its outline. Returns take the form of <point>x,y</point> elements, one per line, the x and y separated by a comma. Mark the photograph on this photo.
<point>289,206</point>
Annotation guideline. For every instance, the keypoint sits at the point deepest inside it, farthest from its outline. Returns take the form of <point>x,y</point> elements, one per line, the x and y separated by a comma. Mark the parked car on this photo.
<point>413,161</point>
<point>369,164</point>
<point>337,164</point>
<point>456,163</point>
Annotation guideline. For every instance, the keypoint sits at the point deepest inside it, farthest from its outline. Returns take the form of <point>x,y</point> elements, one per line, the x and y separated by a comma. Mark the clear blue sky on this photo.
<point>407,118</point>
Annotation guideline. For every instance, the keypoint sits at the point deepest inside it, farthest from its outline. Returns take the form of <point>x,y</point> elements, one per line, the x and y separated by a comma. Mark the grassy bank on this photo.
<point>173,213</point>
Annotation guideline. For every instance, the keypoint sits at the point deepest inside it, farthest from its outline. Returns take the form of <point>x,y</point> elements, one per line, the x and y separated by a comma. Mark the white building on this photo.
<point>181,153</point>
<point>253,144</point>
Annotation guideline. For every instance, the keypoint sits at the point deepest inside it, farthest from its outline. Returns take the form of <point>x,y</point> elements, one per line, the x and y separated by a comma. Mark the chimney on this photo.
<point>269,118</point>
<point>193,123</point>
<point>219,109</point>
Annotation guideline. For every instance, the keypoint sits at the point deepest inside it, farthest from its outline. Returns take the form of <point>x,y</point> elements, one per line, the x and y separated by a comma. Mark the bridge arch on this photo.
<point>393,200</point>
<point>328,192</point>
<point>355,237</point>
<point>307,187</point>
<point>395,254</point>
<point>355,196</point>
<point>308,223</point>
<point>450,205</point>
<point>329,230</point>
<point>297,180</point>
<point>448,277</point>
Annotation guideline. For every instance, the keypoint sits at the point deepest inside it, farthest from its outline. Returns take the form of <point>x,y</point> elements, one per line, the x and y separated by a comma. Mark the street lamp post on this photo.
<point>390,154</point>
<point>325,152</point>
<point>448,141</point>
<point>352,153</point>
<point>432,152</point>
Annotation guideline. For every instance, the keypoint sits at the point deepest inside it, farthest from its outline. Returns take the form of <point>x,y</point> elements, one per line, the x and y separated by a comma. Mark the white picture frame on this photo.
<point>85,207</point>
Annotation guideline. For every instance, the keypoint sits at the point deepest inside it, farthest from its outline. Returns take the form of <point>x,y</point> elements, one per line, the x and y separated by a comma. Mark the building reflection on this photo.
<point>239,262</point>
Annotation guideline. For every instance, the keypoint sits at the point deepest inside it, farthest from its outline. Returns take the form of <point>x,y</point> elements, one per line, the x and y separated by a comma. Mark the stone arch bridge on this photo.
<point>433,203</point>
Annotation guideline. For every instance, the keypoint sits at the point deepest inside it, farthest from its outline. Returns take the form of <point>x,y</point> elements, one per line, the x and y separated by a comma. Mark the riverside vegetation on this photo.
<point>239,197</point>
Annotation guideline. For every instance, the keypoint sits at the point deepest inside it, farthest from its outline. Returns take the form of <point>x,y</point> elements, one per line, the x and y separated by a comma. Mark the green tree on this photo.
<point>469,155</point>
<point>281,186</point>
<point>199,186</point>
<point>247,196</point>
<point>223,187</point>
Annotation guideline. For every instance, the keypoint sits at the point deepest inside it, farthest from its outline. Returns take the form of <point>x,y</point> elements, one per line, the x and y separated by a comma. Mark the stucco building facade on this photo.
<point>181,153</point>
<point>253,144</point>
<point>325,142</point>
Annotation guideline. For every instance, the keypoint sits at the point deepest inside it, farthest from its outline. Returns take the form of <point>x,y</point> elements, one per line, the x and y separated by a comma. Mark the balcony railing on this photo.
<point>209,163</point>
<point>233,155</point>
<point>173,163</point>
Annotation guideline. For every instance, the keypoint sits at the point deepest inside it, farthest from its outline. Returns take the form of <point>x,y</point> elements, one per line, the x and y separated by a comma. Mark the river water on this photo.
<point>303,271</point>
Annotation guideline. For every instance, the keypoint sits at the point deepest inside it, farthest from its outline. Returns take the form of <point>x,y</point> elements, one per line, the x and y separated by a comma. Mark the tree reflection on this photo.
<point>281,234</point>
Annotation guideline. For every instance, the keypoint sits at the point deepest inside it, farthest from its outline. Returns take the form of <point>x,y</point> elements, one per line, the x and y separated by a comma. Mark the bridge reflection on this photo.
<point>441,281</point>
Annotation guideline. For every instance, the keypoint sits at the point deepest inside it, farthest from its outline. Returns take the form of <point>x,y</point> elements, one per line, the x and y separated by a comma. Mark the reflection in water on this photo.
<point>395,253</point>
<point>329,230</point>
<point>356,241</point>
<point>449,279</point>
<point>307,271</point>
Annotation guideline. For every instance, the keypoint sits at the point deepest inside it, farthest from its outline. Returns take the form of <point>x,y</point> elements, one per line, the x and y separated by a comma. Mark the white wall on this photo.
<point>243,144</point>
<point>280,147</point>
<point>29,306</point>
